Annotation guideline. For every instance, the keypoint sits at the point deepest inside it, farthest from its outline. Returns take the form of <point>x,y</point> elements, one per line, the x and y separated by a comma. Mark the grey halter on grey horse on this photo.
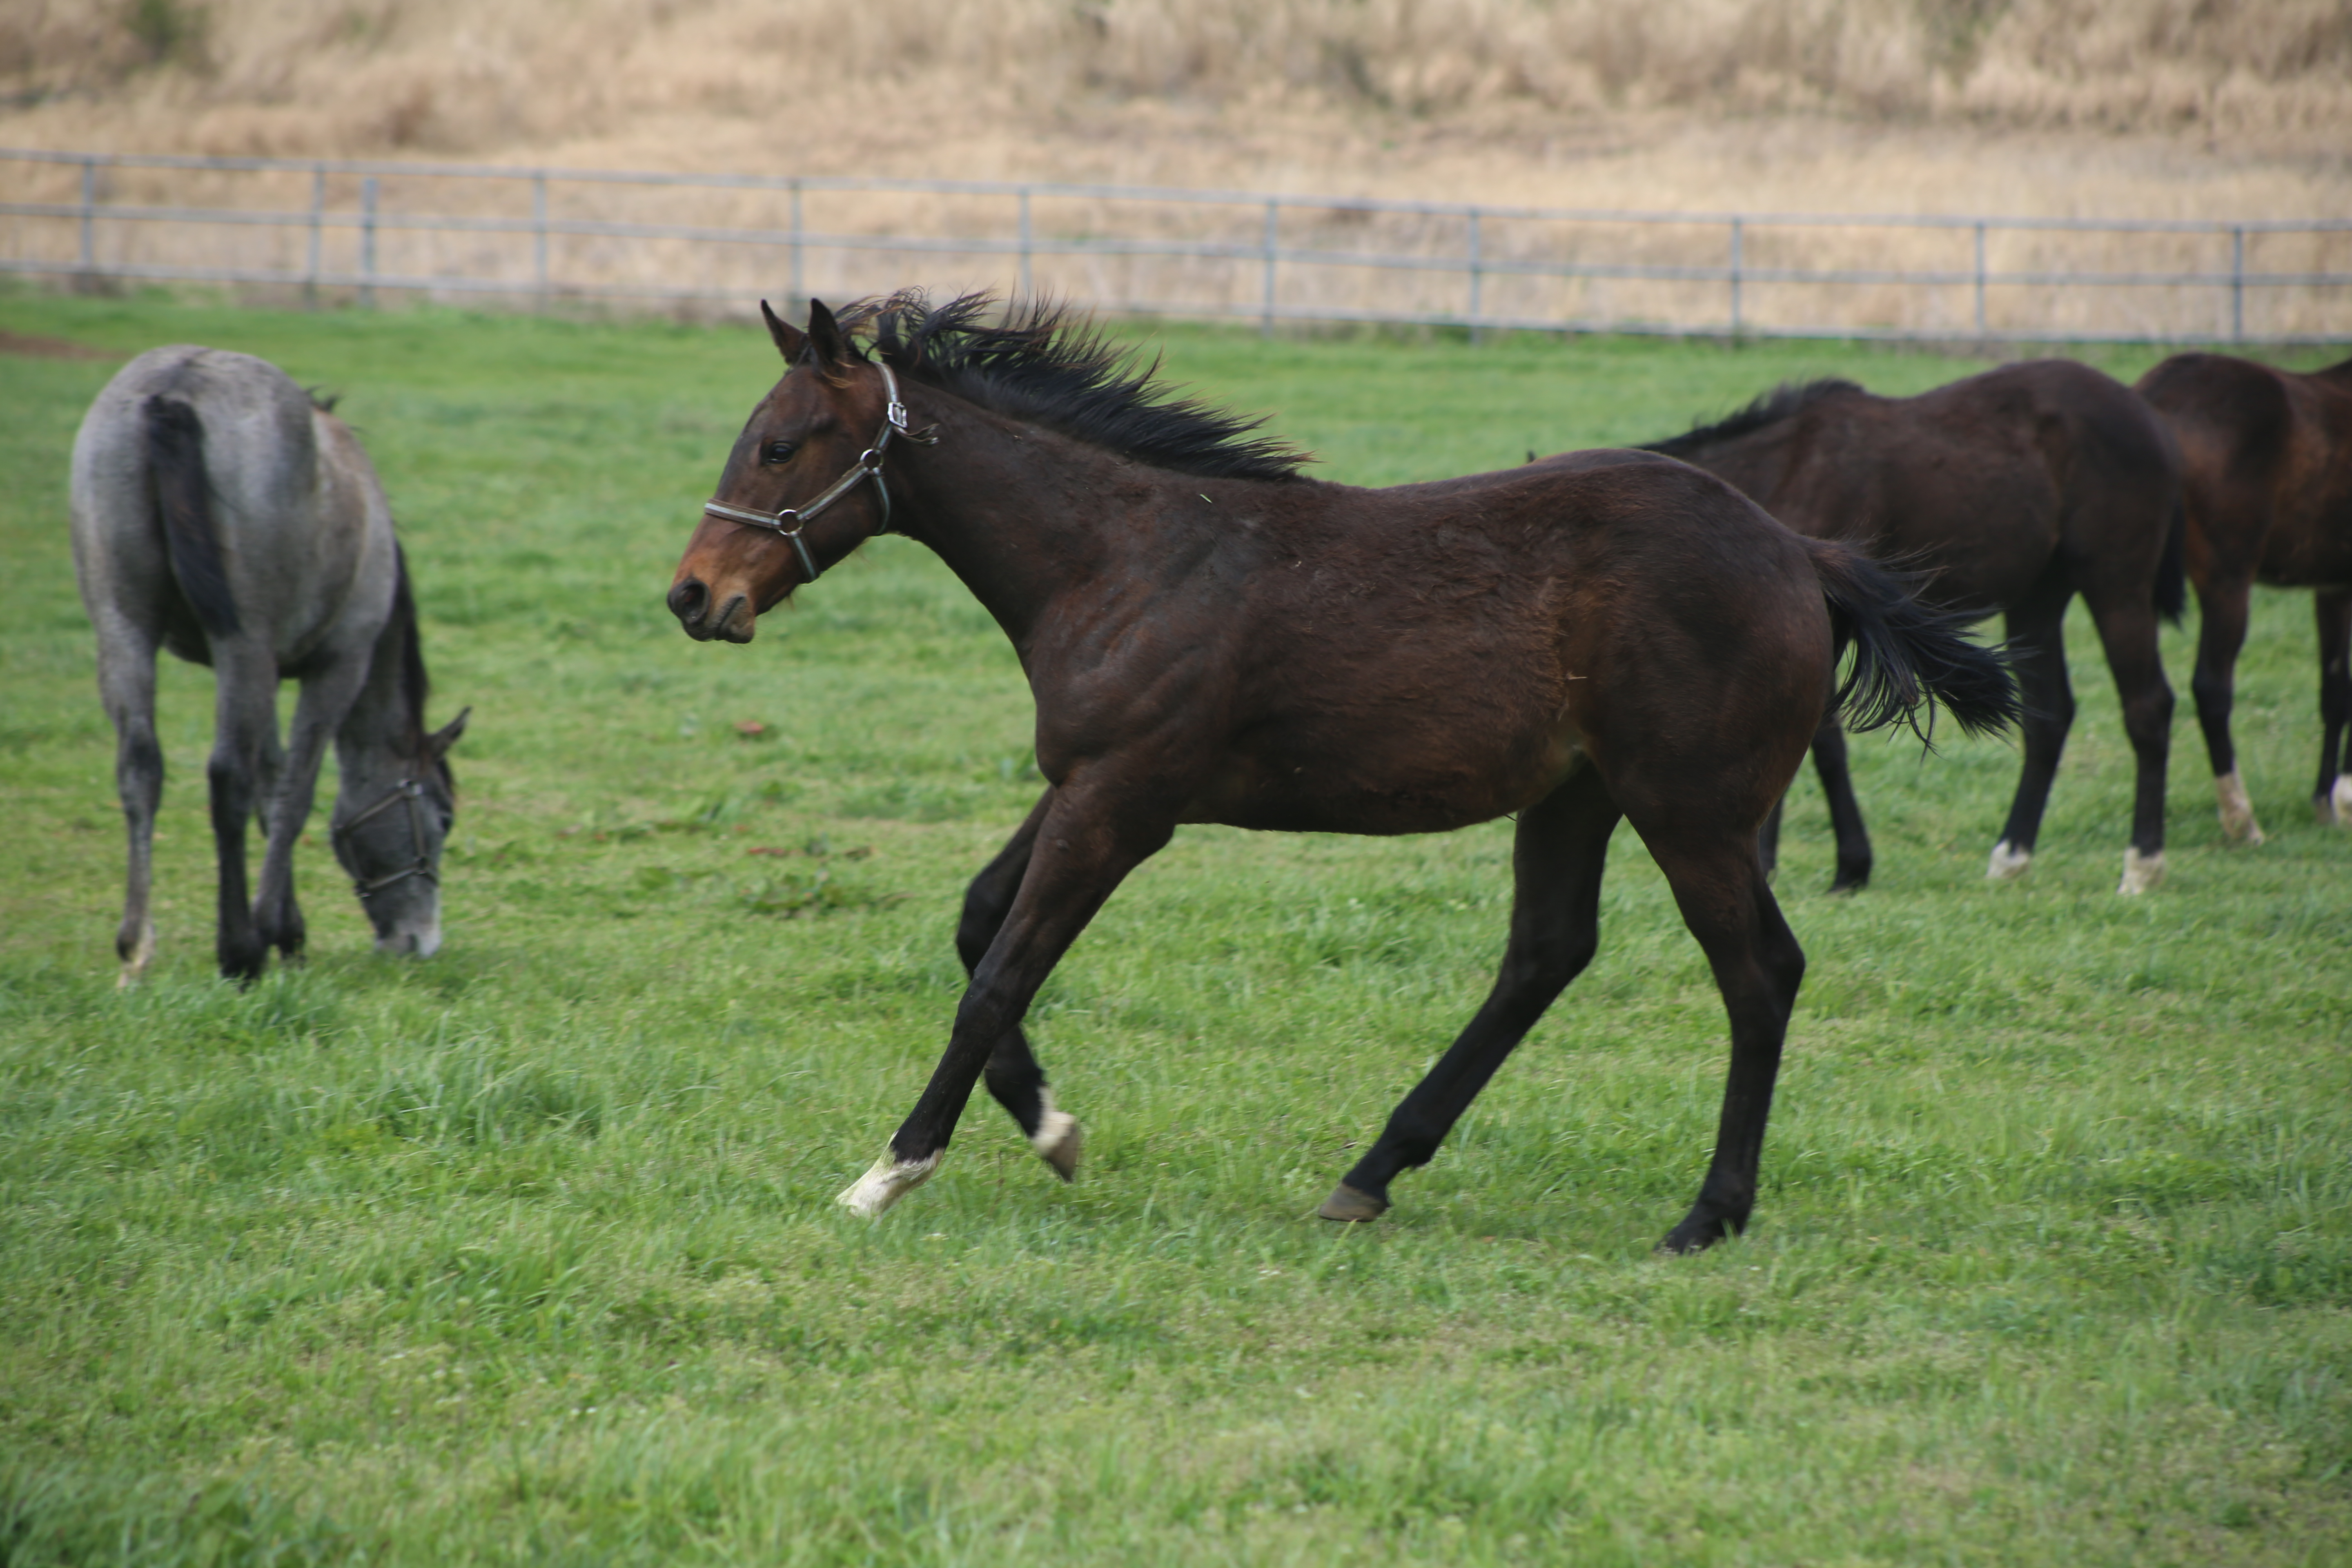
<point>221,513</point>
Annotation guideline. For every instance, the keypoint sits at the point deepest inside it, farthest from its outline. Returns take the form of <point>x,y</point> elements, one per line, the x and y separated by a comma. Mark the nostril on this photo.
<point>689,599</point>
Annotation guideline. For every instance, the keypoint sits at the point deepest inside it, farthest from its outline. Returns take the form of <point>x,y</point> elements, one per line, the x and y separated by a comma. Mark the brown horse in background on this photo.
<point>1212,637</point>
<point>2013,490</point>
<point>2267,460</point>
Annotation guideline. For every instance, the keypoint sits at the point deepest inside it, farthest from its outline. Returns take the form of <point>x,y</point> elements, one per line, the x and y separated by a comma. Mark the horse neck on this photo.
<point>381,738</point>
<point>991,501</point>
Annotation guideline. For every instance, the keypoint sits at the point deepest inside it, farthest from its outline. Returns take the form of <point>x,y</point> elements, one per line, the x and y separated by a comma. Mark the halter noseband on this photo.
<point>790,520</point>
<point>409,790</point>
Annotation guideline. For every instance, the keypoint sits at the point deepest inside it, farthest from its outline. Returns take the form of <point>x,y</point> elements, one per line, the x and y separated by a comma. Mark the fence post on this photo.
<point>318,235</point>
<point>1477,275</point>
<point>1980,279</point>
<point>539,233</point>
<point>800,282</point>
<point>90,215</point>
<point>1028,289</point>
<point>1738,247</point>
<point>2238,285</point>
<point>1273,232</point>
<point>367,243</point>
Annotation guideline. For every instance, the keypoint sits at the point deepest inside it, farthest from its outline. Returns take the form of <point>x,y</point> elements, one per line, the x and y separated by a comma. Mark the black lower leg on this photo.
<point>239,947</point>
<point>2333,611</point>
<point>1854,858</point>
<point>2048,704</point>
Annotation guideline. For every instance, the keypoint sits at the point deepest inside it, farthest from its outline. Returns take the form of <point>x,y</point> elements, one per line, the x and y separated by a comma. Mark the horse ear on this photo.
<point>790,340</point>
<point>437,744</point>
<point>825,336</point>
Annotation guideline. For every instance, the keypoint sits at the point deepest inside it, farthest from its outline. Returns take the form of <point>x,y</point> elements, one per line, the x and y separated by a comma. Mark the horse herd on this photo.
<point>1210,637</point>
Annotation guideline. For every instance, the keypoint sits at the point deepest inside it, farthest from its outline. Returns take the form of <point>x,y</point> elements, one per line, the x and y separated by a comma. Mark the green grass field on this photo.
<point>528,1253</point>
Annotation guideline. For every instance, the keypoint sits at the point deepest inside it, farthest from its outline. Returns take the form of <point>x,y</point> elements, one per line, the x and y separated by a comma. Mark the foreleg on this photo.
<point>2039,653</point>
<point>1093,832</point>
<point>2221,608</point>
<point>1557,864</point>
<point>326,701</point>
<point>1012,1074</point>
<point>2333,797</point>
<point>2127,632</point>
<point>246,708</point>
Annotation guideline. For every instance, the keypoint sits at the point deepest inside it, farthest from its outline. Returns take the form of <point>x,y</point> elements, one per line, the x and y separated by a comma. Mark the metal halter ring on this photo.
<point>409,790</point>
<point>790,520</point>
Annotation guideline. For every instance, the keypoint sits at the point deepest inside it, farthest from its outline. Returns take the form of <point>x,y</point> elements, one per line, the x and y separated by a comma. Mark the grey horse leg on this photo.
<point>246,711</point>
<point>326,701</point>
<point>126,682</point>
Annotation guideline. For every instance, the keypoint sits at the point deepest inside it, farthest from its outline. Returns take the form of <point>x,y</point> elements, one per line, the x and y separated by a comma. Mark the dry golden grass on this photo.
<point>2158,108</point>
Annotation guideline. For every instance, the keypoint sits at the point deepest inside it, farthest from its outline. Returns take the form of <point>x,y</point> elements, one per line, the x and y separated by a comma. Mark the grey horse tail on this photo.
<point>175,466</point>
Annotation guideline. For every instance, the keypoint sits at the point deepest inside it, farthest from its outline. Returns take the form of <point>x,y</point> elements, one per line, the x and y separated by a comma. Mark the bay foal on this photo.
<point>2268,458</point>
<point>2010,491</point>
<point>1210,637</point>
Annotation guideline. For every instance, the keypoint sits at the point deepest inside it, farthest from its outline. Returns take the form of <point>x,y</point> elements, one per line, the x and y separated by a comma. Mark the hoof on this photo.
<point>2333,806</point>
<point>1352,1208</point>
<point>2008,863</point>
<point>889,1180</point>
<point>1697,1234</point>
<point>136,955</point>
<point>1058,1140</point>
<point>2142,873</point>
<point>2238,824</point>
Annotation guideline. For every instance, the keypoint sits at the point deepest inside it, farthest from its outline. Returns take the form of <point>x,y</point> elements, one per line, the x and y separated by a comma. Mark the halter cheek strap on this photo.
<point>790,520</point>
<point>411,793</point>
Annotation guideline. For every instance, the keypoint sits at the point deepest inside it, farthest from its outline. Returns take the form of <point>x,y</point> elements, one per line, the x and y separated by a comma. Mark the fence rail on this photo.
<point>364,229</point>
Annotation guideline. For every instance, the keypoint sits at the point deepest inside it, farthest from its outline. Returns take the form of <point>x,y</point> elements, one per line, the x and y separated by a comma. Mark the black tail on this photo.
<point>2171,576</point>
<point>1905,655</point>
<point>175,465</point>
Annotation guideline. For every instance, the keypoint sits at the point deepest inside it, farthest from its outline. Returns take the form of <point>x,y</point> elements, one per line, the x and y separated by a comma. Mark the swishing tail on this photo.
<point>175,465</point>
<point>2171,576</point>
<point>1905,655</point>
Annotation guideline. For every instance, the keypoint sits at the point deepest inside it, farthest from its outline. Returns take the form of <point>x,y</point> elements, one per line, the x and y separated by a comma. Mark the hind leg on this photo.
<point>1757,967</point>
<point>1556,861</point>
<point>2127,632</point>
<point>1845,811</point>
<point>1012,1074</point>
<point>2333,799</point>
<point>2039,652</point>
<point>2222,603</point>
<point>126,682</point>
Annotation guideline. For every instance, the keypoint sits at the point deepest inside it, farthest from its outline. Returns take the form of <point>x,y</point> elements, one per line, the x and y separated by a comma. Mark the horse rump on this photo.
<point>183,498</point>
<point>1906,654</point>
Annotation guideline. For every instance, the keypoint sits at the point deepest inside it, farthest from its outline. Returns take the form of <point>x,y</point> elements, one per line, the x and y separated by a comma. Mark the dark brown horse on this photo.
<point>1211,638</point>
<point>2267,456</point>
<point>2013,490</point>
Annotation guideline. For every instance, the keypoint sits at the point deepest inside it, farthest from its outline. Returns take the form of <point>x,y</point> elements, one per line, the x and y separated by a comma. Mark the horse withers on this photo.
<point>2013,490</point>
<point>221,513</point>
<point>2268,458</point>
<point>1213,637</point>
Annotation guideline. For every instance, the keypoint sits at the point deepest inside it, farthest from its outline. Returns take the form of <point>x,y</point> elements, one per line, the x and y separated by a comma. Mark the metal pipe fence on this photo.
<point>361,230</point>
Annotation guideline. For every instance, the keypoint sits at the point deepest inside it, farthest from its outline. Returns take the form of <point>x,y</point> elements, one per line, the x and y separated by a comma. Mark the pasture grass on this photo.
<point>528,1253</point>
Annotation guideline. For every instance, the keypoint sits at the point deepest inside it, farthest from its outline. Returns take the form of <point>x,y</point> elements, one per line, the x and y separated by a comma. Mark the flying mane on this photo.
<point>1783,401</point>
<point>1041,363</point>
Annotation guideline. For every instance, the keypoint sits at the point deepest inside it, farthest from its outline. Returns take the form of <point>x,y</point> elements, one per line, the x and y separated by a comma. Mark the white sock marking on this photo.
<point>2238,824</point>
<point>2339,801</point>
<point>2008,864</point>
<point>2142,873</point>
<point>1051,1128</point>
<point>885,1182</point>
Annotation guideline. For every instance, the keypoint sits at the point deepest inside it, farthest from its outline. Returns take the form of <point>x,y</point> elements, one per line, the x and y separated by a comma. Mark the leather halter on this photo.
<point>409,790</point>
<point>790,520</point>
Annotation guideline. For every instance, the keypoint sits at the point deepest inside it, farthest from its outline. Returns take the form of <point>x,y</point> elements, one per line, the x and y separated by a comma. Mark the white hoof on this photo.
<point>889,1180</point>
<point>2008,863</point>
<point>2336,806</point>
<point>2142,873</point>
<point>2238,824</point>
<point>142,954</point>
<point>1058,1138</point>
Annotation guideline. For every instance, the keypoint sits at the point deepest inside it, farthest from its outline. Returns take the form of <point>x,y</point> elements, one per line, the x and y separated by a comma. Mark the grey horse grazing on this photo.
<point>220,513</point>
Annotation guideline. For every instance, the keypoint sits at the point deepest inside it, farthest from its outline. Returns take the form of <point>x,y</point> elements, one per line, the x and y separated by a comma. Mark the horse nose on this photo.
<point>690,600</point>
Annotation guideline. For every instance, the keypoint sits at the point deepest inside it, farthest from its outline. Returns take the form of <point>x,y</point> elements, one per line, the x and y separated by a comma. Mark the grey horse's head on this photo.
<point>390,828</point>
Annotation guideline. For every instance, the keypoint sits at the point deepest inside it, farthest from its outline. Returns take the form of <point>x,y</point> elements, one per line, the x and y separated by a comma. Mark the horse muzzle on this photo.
<point>705,615</point>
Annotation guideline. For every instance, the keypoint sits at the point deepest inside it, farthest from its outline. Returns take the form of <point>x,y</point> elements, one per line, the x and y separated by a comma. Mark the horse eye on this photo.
<point>778,452</point>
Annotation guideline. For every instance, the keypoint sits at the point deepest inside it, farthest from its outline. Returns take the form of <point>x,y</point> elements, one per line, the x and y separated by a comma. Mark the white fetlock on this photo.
<point>2008,863</point>
<point>2142,873</point>
<point>2339,801</point>
<point>2238,824</point>
<point>889,1180</point>
<point>1058,1138</point>
<point>134,968</point>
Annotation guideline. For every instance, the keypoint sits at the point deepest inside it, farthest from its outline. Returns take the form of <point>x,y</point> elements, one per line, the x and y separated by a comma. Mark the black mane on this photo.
<point>1040,362</point>
<point>1783,401</point>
